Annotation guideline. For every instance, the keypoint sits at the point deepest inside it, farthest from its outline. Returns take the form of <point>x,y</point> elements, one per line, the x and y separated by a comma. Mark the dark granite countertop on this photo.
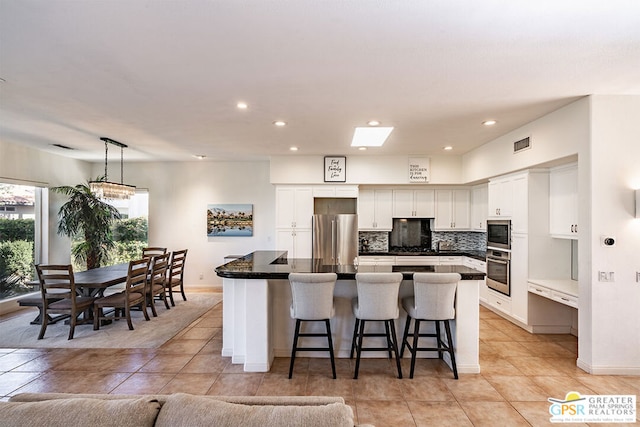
<point>276,265</point>
<point>479,255</point>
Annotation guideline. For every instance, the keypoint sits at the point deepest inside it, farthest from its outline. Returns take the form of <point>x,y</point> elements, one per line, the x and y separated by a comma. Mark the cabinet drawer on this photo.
<point>416,260</point>
<point>565,299</point>
<point>539,290</point>
<point>499,302</point>
<point>450,260</point>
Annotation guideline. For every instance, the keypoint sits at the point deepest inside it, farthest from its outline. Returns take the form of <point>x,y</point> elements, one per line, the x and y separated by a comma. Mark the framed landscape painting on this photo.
<point>229,220</point>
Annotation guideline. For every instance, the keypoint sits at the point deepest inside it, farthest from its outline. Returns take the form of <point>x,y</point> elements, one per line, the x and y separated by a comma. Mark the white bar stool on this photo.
<point>377,301</point>
<point>312,301</point>
<point>433,300</point>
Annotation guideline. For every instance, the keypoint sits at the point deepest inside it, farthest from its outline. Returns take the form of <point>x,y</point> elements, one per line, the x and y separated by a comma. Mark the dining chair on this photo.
<point>57,282</point>
<point>377,300</point>
<point>156,279</point>
<point>133,295</point>
<point>433,300</point>
<point>312,301</point>
<point>175,275</point>
<point>152,251</point>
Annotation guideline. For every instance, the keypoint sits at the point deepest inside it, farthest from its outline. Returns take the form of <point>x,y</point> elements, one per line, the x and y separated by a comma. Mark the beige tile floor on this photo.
<point>519,372</point>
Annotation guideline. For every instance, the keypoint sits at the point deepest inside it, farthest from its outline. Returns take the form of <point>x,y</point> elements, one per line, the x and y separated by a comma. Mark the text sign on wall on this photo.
<point>419,169</point>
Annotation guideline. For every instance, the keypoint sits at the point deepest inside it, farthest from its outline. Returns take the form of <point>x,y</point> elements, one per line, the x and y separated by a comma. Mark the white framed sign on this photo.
<point>335,169</point>
<point>419,169</point>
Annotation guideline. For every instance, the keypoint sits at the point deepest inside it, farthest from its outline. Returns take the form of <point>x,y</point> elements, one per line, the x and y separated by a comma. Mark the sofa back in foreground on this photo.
<point>174,410</point>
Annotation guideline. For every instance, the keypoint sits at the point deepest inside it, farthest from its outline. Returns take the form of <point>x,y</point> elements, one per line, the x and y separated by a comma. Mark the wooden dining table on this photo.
<point>89,283</point>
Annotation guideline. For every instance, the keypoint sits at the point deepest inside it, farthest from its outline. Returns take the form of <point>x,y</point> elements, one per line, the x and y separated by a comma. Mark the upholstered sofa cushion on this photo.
<point>188,410</point>
<point>80,411</point>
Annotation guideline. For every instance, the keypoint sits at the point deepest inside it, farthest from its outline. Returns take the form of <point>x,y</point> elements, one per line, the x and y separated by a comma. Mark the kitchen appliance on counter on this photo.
<point>499,234</point>
<point>499,271</point>
<point>334,240</point>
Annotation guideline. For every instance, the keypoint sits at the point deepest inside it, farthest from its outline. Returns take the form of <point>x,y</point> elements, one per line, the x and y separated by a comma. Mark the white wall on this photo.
<point>613,339</point>
<point>24,165</point>
<point>563,133</point>
<point>179,193</point>
<point>377,170</point>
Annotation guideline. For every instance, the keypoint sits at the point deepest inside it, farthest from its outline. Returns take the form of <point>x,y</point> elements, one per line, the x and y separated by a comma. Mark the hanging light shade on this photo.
<point>112,190</point>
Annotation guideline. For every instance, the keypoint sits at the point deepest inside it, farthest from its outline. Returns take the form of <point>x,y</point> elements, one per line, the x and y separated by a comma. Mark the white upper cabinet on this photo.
<point>500,199</point>
<point>452,210</point>
<point>479,207</point>
<point>563,202</point>
<point>345,191</point>
<point>375,210</point>
<point>413,203</point>
<point>294,207</point>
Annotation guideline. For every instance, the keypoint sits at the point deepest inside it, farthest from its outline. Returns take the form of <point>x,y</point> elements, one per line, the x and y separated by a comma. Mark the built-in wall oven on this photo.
<point>499,271</point>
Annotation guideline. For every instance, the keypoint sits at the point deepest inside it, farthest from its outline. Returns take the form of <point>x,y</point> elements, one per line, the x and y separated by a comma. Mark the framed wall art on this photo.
<point>335,169</point>
<point>229,220</point>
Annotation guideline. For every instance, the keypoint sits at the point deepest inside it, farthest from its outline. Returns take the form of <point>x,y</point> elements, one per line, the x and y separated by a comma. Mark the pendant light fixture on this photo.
<point>112,190</point>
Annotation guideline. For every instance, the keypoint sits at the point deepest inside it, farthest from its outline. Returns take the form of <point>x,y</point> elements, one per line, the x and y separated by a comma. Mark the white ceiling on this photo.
<point>164,77</point>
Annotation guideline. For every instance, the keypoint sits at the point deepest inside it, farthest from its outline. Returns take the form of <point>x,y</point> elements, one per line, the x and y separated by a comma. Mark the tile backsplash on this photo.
<point>461,240</point>
<point>378,241</point>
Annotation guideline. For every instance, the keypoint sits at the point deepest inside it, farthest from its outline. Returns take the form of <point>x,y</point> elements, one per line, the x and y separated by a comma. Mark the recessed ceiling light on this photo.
<point>362,148</point>
<point>242,105</point>
<point>370,137</point>
<point>373,123</point>
<point>293,148</point>
<point>200,156</point>
<point>489,122</point>
<point>280,123</point>
<point>447,148</point>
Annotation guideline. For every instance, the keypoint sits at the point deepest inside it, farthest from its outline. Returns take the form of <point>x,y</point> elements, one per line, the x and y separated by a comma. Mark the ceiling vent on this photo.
<point>521,145</point>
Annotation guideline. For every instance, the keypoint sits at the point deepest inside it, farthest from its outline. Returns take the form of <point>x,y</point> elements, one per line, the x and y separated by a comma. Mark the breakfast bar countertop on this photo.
<point>276,265</point>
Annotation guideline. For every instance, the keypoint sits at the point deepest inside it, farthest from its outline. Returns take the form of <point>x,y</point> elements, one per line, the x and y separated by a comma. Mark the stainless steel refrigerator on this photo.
<point>335,239</point>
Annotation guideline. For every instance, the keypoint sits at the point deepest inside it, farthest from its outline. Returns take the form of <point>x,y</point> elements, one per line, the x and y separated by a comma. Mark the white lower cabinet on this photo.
<point>479,265</point>
<point>499,301</point>
<point>417,260</point>
<point>296,241</point>
<point>450,260</point>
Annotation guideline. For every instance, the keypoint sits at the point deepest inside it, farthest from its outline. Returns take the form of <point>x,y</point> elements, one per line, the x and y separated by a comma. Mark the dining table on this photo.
<point>89,283</point>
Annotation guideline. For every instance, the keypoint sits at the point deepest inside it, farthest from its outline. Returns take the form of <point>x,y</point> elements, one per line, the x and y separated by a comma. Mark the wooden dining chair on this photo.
<point>156,279</point>
<point>57,284</point>
<point>152,251</point>
<point>133,295</point>
<point>175,276</point>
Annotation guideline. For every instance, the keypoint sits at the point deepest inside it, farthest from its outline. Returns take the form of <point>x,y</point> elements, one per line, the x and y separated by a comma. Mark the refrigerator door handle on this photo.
<point>333,242</point>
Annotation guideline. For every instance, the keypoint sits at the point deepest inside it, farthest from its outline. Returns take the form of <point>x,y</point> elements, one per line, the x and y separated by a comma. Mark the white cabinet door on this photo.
<point>417,260</point>
<point>563,202</point>
<point>375,209</point>
<point>520,204</point>
<point>413,203</point>
<point>479,207</point>
<point>424,203</point>
<point>402,203</point>
<point>294,207</point>
<point>500,198</point>
<point>384,210</point>
<point>452,209</point>
<point>297,242</point>
<point>519,276</point>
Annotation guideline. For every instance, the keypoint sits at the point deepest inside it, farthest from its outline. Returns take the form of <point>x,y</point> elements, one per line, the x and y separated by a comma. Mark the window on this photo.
<point>21,220</point>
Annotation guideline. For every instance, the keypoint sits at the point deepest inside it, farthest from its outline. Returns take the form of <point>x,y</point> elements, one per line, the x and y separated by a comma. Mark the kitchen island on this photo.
<point>256,297</point>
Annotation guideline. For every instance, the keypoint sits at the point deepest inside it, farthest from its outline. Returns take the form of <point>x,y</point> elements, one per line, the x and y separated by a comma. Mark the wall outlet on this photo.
<point>605,276</point>
<point>201,276</point>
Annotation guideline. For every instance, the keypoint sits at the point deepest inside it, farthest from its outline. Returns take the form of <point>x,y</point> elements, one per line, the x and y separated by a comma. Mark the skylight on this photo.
<point>370,136</point>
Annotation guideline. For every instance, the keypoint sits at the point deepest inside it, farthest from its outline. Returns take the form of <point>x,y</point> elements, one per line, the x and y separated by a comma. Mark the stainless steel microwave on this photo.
<point>499,234</point>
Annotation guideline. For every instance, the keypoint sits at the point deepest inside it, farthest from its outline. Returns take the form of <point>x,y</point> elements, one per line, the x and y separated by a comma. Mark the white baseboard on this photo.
<point>608,370</point>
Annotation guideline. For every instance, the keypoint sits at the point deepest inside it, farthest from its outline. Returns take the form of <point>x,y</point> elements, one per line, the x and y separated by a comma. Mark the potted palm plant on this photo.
<point>86,215</point>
